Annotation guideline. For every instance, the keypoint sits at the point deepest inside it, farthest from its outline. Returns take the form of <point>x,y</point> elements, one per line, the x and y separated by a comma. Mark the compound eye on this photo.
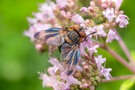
<point>76,27</point>
<point>82,34</point>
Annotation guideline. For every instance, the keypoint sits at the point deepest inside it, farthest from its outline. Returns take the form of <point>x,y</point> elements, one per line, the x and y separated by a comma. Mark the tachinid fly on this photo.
<point>68,39</point>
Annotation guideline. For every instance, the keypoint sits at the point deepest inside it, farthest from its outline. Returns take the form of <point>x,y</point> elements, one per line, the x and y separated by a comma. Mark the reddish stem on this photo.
<point>119,78</point>
<point>124,48</point>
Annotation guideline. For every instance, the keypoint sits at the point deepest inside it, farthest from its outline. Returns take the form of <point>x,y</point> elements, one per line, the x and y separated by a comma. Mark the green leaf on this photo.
<point>126,85</point>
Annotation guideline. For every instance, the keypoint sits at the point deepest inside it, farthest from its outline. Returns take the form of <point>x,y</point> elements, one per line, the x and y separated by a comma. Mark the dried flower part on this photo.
<point>99,21</point>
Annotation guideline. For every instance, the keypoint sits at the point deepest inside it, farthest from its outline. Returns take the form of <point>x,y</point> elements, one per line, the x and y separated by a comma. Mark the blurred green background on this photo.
<point>20,62</point>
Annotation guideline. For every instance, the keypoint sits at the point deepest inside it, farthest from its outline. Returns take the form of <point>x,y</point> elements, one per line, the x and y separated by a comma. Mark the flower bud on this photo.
<point>92,3</point>
<point>92,88</point>
<point>85,85</point>
<point>104,5</point>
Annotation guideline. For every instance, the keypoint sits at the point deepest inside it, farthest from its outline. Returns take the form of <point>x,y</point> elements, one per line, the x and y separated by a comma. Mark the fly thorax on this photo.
<point>73,36</point>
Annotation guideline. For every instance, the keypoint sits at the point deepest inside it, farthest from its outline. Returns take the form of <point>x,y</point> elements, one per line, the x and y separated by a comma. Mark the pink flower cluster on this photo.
<point>101,16</point>
<point>58,80</point>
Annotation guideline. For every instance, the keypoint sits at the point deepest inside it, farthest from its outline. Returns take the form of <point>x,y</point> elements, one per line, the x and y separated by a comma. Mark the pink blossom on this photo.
<point>109,14</point>
<point>77,19</point>
<point>85,44</point>
<point>38,46</point>
<point>54,82</point>
<point>54,61</point>
<point>90,30</point>
<point>41,17</point>
<point>99,31</point>
<point>47,9</point>
<point>65,86</point>
<point>65,14</point>
<point>122,20</point>
<point>108,0</point>
<point>84,9</point>
<point>93,49</point>
<point>99,61</point>
<point>78,67</point>
<point>62,3</point>
<point>53,70</point>
<point>56,64</point>
<point>30,32</point>
<point>32,20</point>
<point>103,0</point>
<point>118,3</point>
<point>106,72</point>
<point>69,79</point>
<point>111,36</point>
<point>47,80</point>
<point>89,46</point>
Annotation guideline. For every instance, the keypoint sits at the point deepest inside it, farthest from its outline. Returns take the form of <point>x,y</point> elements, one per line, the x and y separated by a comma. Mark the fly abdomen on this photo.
<point>73,36</point>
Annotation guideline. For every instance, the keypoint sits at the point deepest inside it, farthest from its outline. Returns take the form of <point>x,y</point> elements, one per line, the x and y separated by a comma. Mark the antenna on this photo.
<point>88,36</point>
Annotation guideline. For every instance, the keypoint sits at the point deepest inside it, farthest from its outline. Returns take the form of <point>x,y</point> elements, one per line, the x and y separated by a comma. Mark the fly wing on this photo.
<point>70,54</point>
<point>50,36</point>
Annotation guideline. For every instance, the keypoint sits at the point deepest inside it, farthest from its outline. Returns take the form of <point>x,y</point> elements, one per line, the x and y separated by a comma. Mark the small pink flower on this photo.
<point>47,80</point>
<point>77,19</point>
<point>93,49</point>
<point>69,79</point>
<point>38,46</point>
<point>103,0</point>
<point>118,3</point>
<point>89,30</point>
<point>62,3</point>
<point>106,72</point>
<point>111,36</point>
<point>65,14</point>
<point>99,61</point>
<point>40,16</point>
<point>84,9</point>
<point>53,81</point>
<point>56,63</point>
<point>122,20</point>
<point>99,31</point>
<point>85,44</point>
<point>109,14</point>
<point>32,20</point>
<point>65,86</point>
<point>47,9</point>
<point>89,46</point>
<point>78,68</point>
<point>53,70</point>
<point>30,33</point>
<point>109,0</point>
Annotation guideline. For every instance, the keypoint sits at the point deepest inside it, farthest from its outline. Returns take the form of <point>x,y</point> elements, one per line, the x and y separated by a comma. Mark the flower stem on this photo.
<point>120,59</point>
<point>119,78</point>
<point>124,48</point>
